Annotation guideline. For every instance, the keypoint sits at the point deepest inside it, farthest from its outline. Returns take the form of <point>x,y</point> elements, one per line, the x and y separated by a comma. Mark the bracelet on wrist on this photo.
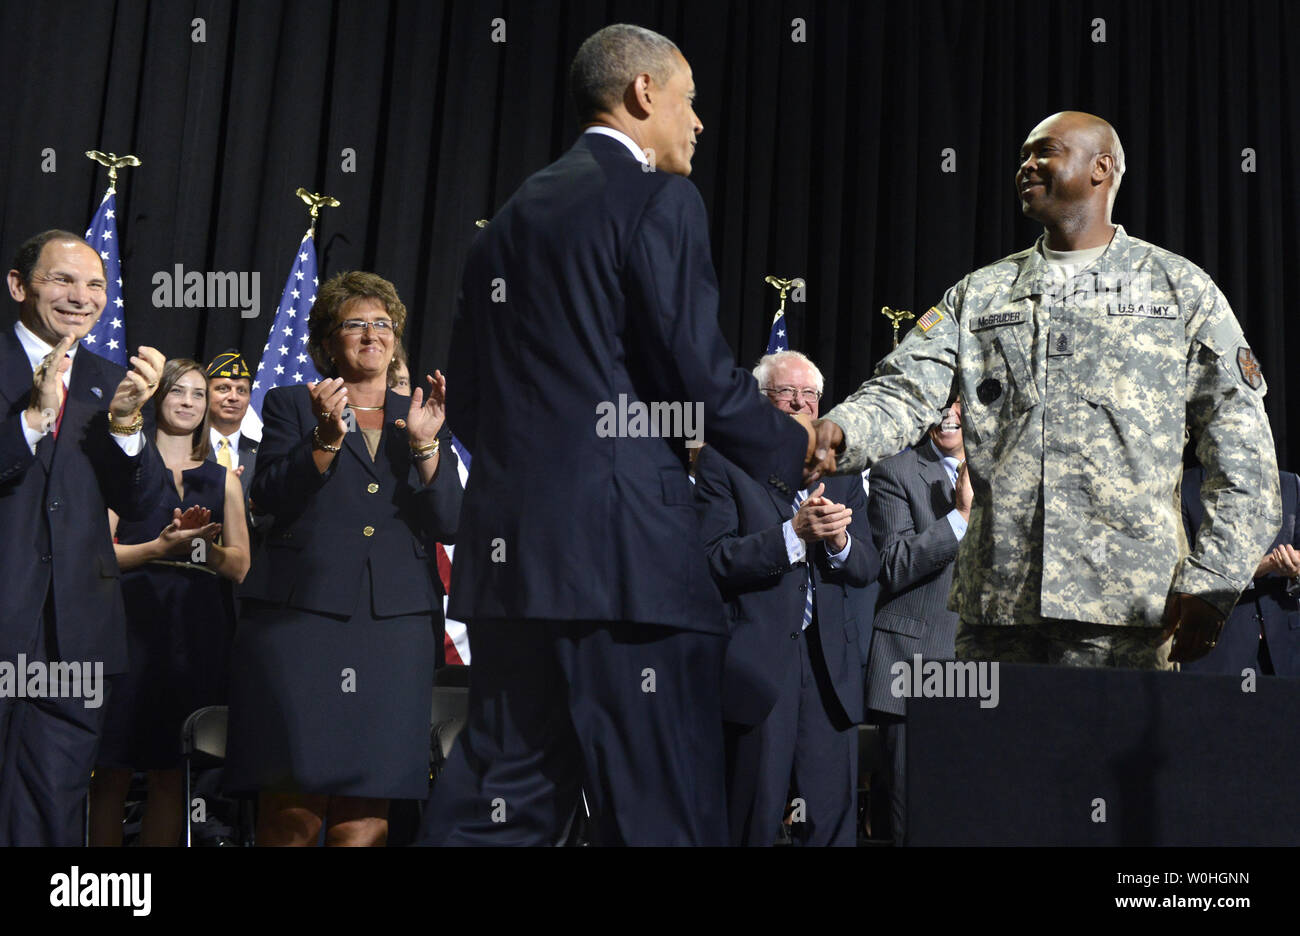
<point>130,429</point>
<point>425,448</point>
<point>321,444</point>
<point>424,456</point>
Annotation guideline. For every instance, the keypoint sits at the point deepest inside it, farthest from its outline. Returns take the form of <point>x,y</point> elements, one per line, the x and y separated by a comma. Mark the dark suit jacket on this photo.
<point>328,525</point>
<point>741,521</point>
<point>594,287</point>
<point>54,511</point>
<point>910,500</point>
<point>1269,609</point>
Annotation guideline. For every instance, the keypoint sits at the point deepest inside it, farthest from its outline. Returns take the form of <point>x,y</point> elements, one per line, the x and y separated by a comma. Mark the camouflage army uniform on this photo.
<point>1076,397</point>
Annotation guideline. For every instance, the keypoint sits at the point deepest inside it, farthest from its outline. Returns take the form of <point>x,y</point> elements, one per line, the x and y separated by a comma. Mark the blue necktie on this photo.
<point>808,602</point>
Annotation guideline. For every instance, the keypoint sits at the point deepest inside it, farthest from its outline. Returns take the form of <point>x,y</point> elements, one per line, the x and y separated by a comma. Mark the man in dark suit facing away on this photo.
<point>918,514</point>
<point>71,446</point>
<point>789,568</point>
<point>585,357</point>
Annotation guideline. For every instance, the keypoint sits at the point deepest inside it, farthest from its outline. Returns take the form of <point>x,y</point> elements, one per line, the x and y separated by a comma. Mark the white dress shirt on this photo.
<point>214,437</point>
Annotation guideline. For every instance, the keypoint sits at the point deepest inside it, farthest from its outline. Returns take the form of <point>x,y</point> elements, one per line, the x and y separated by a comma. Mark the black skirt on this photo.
<point>180,624</point>
<point>322,704</point>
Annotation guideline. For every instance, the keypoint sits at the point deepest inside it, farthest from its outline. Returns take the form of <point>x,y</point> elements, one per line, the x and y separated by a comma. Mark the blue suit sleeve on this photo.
<point>15,456</point>
<point>438,502</point>
<point>670,276</point>
<point>862,565</point>
<point>737,562</point>
<point>287,476</point>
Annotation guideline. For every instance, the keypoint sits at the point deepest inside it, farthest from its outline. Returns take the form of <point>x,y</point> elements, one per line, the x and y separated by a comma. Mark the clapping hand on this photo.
<point>821,519</point>
<point>194,523</point>
<point>329,400</point>
<point>139,383</point>
<point>427,413</point>
<point>965,494</point>
<point>1284,560</point>
<point>47,387</point>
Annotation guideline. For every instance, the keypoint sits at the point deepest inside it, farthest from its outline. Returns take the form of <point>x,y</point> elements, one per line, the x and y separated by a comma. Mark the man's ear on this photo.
<point>637,98</point>
<point>1103,167</point>
<point>16,287</point>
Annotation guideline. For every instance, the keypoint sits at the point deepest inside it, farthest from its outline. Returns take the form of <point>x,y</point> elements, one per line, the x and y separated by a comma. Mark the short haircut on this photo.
<point>173,371</point>
<point>609,60</point>
<point>763,369</point>
<point>332,300</point>
<point>29,254</point>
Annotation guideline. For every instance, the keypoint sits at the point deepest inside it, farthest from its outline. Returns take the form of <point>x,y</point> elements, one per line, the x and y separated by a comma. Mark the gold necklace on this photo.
<point>366,409</point>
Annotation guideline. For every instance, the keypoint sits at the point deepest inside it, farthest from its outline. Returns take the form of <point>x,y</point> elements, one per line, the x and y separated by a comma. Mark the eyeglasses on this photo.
<point>786,394</point>
<point>357,326</point>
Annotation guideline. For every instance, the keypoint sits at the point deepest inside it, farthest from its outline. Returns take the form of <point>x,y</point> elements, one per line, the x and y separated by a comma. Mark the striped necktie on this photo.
<point>808,601</point>
<point>223,452</point>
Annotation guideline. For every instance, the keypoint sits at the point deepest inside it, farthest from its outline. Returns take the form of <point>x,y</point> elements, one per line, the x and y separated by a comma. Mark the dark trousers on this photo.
<point>47,751</point>
<point>893,738</point>
<point>629,714</point>
<point>805,744</point>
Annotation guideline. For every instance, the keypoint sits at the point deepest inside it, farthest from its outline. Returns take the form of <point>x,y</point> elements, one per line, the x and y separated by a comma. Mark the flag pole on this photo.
<point>107,337</point>
<point>778,338</point>
<point>114,162</point>
<point>315,202</point>
<point>285,359</point>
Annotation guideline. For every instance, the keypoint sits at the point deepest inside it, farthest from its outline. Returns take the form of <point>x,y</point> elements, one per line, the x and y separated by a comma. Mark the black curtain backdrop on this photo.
<point>821,158</point>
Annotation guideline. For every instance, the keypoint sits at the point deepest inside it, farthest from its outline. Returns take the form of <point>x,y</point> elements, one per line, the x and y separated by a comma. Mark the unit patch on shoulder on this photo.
<point>929,320</point>
<point>1249,365</point>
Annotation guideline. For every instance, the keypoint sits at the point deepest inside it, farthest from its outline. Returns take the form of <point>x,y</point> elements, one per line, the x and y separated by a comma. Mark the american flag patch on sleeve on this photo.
<point>929,320</point>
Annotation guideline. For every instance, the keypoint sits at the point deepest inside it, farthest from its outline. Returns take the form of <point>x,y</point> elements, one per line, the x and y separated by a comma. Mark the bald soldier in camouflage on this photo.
<point>1083,364</point>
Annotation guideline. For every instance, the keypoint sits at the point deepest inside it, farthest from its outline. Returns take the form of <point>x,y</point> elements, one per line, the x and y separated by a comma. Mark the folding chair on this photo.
<point>203,744</point>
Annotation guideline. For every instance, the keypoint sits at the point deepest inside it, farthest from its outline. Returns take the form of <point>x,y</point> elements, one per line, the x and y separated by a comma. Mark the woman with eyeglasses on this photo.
<point>178,565</point>
<point>341,613</point>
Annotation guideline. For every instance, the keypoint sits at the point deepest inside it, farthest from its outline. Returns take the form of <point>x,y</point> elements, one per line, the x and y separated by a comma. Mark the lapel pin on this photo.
<point>399,423</point>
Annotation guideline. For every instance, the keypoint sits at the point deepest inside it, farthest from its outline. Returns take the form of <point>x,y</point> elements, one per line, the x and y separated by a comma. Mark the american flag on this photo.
<point>776,341</point>
<point>108,337</point>
<point>456,635</point>
<point>285,360</point>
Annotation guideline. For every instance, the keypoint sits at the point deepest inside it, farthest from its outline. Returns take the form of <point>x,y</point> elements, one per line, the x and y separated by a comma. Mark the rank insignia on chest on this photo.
<point>1060,344</point>
<point>929,320</point>
<point>1249,365</point>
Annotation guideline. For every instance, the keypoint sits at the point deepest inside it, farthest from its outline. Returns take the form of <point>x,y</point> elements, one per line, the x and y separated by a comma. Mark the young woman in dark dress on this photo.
<point>177,565</point>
